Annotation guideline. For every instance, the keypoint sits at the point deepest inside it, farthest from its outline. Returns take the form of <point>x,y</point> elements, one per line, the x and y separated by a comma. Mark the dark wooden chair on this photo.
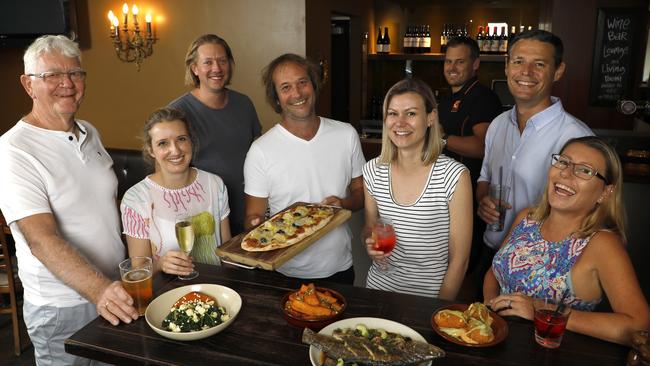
<point>9,284</point>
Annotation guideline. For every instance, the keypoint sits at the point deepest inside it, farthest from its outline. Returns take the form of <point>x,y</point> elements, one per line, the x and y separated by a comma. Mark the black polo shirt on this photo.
<point>459,112</point>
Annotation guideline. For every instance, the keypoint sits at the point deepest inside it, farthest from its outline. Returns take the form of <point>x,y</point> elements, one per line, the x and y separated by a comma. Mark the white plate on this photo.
<point>315,355</point>
<point>159,308</point>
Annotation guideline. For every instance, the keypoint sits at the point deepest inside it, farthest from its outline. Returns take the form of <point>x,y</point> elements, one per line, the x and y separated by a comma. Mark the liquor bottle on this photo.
<point>479,38</point>
<point>503,41</point>
<point>386,41</point>
<point>380,42</point>
<point>494,45</point>
<point>426,48</point>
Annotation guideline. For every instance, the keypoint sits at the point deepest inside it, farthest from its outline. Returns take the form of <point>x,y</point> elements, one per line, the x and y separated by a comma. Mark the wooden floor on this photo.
<point>7,356</point>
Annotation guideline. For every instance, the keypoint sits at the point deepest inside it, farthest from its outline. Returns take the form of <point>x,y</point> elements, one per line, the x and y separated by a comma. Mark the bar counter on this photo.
<point>260,335</point>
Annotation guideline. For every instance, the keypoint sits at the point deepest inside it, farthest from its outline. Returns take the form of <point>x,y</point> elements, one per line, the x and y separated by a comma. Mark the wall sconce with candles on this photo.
<point>131,46</point>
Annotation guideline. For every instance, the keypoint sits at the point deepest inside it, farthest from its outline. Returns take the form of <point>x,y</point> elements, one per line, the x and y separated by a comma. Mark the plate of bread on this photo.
<point>471,325</point>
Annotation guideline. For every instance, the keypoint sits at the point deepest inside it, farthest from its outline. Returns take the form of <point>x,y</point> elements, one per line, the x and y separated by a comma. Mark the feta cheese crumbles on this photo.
<point>193,312</point>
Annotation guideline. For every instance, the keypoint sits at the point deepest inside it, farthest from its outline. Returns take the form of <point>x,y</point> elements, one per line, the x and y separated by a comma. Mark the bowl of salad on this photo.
<point>193,312</point>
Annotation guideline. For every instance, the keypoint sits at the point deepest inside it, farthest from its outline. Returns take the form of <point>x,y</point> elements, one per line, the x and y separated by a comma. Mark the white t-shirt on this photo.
<point>47,171</point>
<point>149,211</point>
<point>287,169</point>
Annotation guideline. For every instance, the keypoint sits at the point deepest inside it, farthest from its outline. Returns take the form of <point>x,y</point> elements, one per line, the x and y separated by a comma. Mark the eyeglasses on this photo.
<point>579,170</point>
<point>56,77</point>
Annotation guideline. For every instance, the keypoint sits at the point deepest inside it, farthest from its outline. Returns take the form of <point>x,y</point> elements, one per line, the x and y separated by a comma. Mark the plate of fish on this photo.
<point>471,325</point>
<point>371,341</point>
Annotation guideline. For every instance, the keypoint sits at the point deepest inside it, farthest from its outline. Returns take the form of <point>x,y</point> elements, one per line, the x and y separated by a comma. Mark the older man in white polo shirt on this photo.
<point>58,195</point>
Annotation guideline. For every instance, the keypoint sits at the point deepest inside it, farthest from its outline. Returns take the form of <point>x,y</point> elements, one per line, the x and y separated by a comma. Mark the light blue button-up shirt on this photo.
<point>525,157</point>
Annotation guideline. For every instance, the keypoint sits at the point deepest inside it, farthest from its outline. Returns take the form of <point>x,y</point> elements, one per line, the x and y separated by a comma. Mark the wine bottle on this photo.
<point>380,42</point>
<point>409,40</point>
<point>503,41</point>
<point>386,41</point>
<point>427,41</point>
<point>494,45</point>
<point>442,38</point>
<point>487,41</point>
<point>479,38</point>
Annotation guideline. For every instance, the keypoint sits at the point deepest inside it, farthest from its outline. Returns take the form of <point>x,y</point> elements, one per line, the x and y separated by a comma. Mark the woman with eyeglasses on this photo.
<point>571,246</point>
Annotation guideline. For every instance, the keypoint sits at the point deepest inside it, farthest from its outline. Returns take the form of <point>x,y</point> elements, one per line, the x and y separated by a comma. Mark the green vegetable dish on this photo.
<point>193,315</point>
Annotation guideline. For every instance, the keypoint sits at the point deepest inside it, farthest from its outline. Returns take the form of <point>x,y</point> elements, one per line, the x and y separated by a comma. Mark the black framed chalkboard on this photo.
<point>617,31</point>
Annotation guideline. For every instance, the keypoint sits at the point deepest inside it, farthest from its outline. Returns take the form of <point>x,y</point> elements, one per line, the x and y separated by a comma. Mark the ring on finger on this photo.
<point>509,306</point>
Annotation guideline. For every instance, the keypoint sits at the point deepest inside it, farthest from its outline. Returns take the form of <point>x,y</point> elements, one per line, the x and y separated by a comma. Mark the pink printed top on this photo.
<point>149,211</point>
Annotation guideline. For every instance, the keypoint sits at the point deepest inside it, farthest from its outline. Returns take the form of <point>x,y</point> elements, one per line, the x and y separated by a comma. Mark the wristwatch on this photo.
<point>444,140</point>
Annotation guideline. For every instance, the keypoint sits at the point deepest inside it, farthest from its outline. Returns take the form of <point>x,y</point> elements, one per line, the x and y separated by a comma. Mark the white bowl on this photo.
<point>315,355</point>
<point>159,308</point>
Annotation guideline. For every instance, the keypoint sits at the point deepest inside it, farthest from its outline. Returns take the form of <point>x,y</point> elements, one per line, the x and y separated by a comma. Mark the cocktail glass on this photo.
<point>383,234</point>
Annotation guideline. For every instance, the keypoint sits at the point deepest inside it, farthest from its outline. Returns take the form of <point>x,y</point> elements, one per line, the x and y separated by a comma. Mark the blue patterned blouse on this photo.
<point>539,268</point>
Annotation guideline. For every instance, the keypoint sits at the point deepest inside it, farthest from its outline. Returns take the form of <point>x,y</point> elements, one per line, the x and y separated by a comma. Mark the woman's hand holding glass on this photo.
<point>381,242</point>
<point>177,263</point>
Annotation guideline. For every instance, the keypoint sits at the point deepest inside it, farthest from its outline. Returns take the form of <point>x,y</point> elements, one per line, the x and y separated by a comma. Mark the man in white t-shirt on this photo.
<point>305,158</point>
<point>58,195</point>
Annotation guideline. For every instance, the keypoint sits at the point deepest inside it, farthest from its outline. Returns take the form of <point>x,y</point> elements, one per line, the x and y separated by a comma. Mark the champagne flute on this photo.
<point>384,235</point>
<point>185,237</point>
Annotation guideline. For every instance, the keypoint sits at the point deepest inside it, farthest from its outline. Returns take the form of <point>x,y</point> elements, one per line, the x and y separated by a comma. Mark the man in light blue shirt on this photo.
<point>519,142</point>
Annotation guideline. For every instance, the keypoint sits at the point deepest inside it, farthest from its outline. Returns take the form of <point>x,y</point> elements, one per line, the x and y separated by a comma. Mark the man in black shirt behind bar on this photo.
<point>465,115</point>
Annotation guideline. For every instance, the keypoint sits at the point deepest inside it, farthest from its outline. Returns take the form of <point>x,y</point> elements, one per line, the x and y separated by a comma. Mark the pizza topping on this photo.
<point>287,227</point>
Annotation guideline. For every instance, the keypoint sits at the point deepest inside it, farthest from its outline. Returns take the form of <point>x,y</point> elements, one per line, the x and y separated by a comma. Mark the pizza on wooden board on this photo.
<point>287,228</point>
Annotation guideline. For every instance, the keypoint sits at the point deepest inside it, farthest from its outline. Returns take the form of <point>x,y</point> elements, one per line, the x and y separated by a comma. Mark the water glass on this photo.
<point>499,193</point>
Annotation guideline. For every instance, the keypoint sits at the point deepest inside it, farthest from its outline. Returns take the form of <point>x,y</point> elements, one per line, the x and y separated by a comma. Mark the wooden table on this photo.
<point>260,335</point>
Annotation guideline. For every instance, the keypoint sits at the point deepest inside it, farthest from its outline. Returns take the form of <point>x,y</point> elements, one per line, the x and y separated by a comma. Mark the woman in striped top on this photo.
<point>427,195</point>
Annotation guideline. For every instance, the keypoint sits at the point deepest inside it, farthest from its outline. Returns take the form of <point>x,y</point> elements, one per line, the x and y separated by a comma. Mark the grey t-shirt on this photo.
<point>223,137</point>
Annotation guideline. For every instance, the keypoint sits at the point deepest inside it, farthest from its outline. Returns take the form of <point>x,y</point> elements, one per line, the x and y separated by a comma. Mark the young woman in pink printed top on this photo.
<point>150,208</point>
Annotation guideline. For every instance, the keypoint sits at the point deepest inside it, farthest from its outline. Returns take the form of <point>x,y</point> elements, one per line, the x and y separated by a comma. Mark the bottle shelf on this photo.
<point>428,57</point>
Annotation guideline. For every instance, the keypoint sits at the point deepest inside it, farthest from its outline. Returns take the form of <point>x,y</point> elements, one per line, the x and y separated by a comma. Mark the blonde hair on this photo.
<point>192,55</point>
<point>608,215</point>
<point>164,114</point>
<point>432,143</point>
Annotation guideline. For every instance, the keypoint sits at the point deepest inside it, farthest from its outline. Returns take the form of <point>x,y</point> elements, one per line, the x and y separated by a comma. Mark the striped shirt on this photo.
<point>421,255</point>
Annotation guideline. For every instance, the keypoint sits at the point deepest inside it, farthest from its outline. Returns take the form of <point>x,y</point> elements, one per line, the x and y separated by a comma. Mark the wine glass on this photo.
<point>383,234</point>
<point>185,237</point>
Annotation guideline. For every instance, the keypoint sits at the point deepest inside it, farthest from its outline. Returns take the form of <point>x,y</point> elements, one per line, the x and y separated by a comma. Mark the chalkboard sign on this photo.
<point>617,31</point>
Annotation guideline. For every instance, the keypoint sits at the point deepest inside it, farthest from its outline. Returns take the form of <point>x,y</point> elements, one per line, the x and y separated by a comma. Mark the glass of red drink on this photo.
<point>550,321</point>
<point>384,235</point>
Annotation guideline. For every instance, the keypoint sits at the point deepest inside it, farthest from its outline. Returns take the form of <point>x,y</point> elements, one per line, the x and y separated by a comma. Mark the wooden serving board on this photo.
<point>271,260</point>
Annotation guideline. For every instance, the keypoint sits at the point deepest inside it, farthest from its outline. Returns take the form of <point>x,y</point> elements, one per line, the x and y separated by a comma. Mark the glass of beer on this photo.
<point>185,237</point>
<point>136,279</point>
<point>383,234</point>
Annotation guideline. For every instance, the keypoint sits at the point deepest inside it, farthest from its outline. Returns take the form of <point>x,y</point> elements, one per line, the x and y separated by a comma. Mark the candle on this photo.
<point>125,10</point>
<point>110,20</point>
<point>134,10</point>
<point>147,18</point>
<point>116,25</point>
